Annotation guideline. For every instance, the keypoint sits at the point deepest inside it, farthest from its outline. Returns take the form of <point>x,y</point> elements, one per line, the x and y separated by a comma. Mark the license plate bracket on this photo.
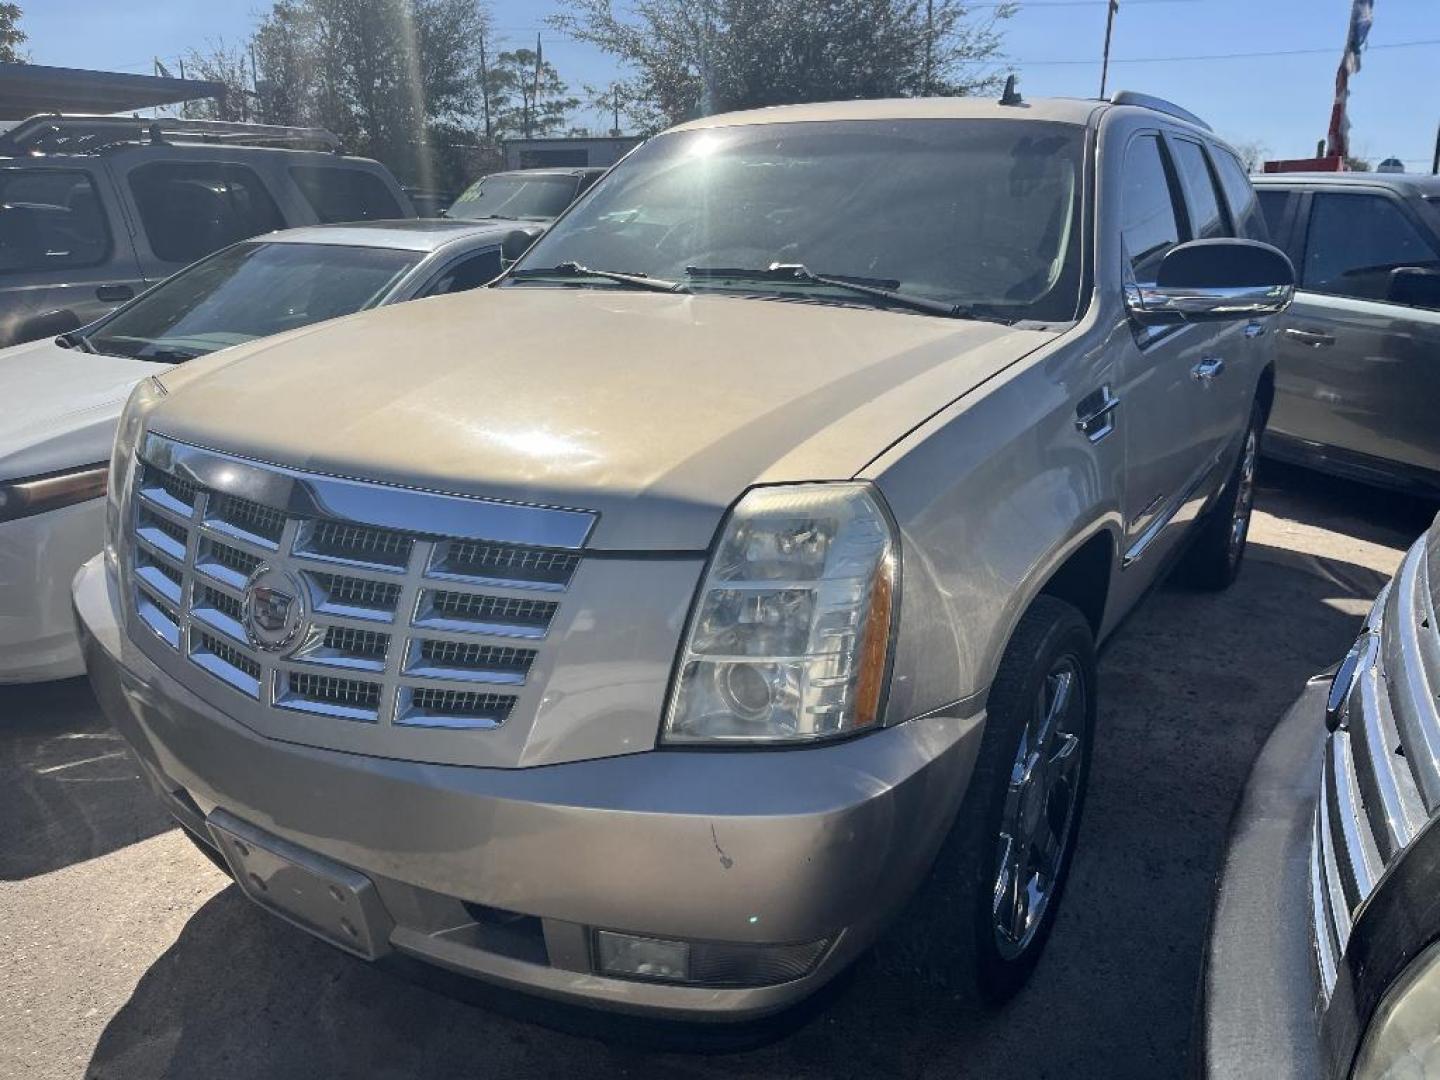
<point>319,895</point>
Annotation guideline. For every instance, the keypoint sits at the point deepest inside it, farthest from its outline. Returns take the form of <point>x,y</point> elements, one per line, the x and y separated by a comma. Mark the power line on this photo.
<point>1218,56</point>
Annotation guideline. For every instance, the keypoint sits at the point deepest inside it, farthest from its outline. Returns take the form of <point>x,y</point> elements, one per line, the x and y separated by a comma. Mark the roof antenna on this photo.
<point>1011,96</point>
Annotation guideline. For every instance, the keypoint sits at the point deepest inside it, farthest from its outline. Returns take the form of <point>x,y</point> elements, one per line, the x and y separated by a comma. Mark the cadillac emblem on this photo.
<point>276,609</point>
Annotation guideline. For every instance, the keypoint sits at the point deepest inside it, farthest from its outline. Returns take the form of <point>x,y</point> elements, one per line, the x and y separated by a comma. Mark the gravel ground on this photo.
<point>123,953</point>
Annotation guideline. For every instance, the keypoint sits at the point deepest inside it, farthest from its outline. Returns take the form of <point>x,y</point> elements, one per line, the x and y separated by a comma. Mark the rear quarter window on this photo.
<point>50,219</point>
<point>190,209</point>
<point>340,194</point>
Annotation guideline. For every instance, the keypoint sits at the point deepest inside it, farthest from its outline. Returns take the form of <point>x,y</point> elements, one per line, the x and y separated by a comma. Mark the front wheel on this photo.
<point>1213,561</point>
<point>1022,812</point>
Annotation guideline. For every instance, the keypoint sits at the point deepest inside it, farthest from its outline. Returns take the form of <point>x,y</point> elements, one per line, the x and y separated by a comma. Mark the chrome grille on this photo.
<point>248,517</point>
<point>362,593</point>
<point>1380,782</point>
<point>482,560</point>
<point>400,621</point>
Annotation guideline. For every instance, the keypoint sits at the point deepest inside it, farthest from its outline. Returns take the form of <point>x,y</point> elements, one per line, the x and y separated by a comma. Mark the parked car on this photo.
<point>1356,371</point>
<point>428,202</point>
<point>63,395</point>
<point>1324,959</point>
<point>635,630</point>
<point>93,209</point>
<point>525,195</point>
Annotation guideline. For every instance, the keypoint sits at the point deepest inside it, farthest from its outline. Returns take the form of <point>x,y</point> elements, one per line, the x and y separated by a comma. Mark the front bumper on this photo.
<point>38,558</point>
<point>763,848</point>
<point>1261,992</point>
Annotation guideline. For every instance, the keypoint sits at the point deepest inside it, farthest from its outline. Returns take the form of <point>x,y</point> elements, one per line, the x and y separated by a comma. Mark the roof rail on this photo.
<point>1148,101</point>
<point>54,133</point>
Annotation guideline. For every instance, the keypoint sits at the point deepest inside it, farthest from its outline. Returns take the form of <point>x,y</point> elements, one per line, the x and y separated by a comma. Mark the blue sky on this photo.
<point>1281,101</point>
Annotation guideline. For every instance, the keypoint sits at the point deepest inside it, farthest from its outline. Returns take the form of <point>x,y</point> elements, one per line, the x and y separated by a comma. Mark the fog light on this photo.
<point>642,958</point>
<point>704,963</point>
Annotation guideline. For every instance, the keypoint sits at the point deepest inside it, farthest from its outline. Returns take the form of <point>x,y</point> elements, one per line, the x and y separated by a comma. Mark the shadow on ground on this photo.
<point>1191,687</point>
<point>68,788</point>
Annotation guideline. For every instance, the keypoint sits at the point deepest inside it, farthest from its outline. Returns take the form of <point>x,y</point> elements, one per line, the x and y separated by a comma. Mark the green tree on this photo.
<point>225,65</point>
<point>11,36</point>
<point>694,57</point>
<point>393,78</point>
<point>532,100</point>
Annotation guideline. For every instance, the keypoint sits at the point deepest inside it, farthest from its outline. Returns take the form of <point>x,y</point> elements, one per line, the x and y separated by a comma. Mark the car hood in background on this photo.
<point>58,407</point>
<point>655,410</point>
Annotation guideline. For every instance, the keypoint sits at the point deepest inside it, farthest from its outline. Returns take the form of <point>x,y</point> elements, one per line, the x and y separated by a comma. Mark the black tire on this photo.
<point>1051,636</point>
<point>1218,550</point>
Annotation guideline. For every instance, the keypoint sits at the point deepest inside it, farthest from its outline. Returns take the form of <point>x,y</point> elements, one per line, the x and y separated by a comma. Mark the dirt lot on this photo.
<point>124,954</point>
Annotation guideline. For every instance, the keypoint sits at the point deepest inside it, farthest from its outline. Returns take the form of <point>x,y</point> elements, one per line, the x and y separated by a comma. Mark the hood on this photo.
<point>61,405</point>
<point>655,410</point>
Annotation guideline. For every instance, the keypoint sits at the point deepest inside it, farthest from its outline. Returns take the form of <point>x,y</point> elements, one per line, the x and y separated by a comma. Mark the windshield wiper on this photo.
<point>797,273</point>
<point>75,340</point>
<point>575,270</point>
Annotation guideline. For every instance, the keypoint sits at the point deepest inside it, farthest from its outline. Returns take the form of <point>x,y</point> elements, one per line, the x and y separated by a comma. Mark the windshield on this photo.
<point>249,291</point>
<point>982,215</point>
<point>508,195</point>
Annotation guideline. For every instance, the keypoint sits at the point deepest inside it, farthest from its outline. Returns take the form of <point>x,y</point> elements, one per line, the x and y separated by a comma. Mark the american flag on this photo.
<point>1361,16</point>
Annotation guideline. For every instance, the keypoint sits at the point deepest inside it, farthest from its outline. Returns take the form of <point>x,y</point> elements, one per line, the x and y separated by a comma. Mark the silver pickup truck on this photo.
<point>636,631</point>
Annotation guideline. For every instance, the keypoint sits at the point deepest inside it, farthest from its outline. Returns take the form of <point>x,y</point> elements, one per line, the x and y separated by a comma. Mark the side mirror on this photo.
<point>48,324</point>
<point>1415,286</point>
<point>1214,280</point>
<point>515,244</point>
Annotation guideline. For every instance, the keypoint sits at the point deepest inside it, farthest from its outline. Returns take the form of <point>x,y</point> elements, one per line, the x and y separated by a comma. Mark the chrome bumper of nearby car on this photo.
<point>1379,801</point>
<point>777,866</point>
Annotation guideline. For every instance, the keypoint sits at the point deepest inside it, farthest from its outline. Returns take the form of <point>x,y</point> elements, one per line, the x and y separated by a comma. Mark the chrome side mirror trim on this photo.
<point>1151,304</point>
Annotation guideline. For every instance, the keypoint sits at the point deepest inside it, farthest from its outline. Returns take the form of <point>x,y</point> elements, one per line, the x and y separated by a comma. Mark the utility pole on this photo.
<point>255,82</point>
<point>615,97</point>
<point>535,91</point>
<point>1105,61</point>
<point>1435,163</point>
<point>929,46</point>
<point>485,89</point>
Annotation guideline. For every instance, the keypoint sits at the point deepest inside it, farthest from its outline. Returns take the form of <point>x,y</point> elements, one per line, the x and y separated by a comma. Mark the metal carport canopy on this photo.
<point>27,89</point>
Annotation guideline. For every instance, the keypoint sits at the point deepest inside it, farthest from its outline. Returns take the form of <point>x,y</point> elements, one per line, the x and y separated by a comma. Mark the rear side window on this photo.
<point>345,194</point>
<point>191,209</point>
<point>50,219</point>
<point>1207,219</point>
<point>1149,224</point>
<point>1274,205</point>
<point>1244,206</point>
<point>1356,242</point>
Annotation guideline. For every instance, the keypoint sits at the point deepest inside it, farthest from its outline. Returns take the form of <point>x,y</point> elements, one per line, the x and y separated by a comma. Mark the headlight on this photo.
<point>1403,1040</point>
<point>146,395</point>
<point>39,494</point>
<point>790,637</point>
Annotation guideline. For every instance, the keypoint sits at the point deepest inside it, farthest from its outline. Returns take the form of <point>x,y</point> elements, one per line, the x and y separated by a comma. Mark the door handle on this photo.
<point>1316,339</point>
<point>1095,415</point>
<point>114,294</point>
<point>1207,370</point>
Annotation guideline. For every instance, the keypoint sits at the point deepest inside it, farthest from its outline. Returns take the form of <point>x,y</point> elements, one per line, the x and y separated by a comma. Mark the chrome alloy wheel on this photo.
<point>1244,496</point>
<point>1039,805</point>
